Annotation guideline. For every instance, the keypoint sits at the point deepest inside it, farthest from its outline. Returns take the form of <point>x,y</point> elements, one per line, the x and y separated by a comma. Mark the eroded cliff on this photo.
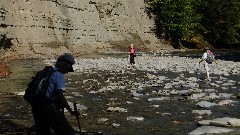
<point>79,26</point>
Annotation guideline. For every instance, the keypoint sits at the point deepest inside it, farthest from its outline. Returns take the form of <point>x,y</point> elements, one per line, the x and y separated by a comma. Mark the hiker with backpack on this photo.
<point>208,58</point>
<point>48,101</point>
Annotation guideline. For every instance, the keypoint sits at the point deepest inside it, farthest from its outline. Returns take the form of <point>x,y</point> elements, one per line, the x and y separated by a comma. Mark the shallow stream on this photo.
<point>138,115</point>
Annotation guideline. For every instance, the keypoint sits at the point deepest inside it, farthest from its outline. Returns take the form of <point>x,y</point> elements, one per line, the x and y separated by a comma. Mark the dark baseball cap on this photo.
<point>67,58</point>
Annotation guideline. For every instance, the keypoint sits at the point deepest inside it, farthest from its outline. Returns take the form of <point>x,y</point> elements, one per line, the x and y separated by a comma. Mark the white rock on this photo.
<point>103,120</point>
<point>226,102</point>
<point>202,112</point>
<point>209,130</point>
<point>225,121</point>
<point>197,96</point>
<point>131,118</point>
<point>169,114</point>
<point>205,104</point>
<point>116,109</point>
<point>158,99</point>
<point>21,93</point>
<point>115,125</point>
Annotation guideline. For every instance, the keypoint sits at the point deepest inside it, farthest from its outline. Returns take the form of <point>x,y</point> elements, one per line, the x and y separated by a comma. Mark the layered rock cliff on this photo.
<point>78,26</point>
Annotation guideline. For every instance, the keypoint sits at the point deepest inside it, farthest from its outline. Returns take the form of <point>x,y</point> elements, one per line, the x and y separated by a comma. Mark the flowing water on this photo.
<point>172,116</point>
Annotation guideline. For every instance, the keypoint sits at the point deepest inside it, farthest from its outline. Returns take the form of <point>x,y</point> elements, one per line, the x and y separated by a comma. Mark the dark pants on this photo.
<point>132,58</point>
<point>47,116</point>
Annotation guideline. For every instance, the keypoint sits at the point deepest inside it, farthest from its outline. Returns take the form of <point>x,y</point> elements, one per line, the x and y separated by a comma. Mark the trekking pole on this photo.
<point>77,117</point>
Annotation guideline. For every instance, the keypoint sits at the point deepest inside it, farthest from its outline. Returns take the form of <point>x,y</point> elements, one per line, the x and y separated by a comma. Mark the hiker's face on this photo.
<point>66,68</point>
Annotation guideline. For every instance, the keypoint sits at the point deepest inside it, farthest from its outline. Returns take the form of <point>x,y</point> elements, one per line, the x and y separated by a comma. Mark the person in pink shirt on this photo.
<point>131,55</point>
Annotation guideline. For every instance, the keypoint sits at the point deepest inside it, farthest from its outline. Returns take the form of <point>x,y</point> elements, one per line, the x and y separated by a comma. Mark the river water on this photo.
<point>120,101</point>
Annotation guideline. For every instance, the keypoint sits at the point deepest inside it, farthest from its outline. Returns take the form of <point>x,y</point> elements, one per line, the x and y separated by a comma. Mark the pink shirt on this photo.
<point>132,50</point>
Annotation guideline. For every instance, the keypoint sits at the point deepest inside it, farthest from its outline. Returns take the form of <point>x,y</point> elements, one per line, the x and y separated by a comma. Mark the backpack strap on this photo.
<point>50,71</point>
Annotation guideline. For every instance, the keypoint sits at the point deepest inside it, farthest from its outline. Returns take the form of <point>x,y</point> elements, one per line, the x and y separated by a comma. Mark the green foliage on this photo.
<point>185,21</point>
<point>178,19</point>
<point>222,20</point>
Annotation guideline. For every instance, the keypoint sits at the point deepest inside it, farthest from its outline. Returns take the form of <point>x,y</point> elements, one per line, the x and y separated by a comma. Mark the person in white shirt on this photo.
<point>207,65</point>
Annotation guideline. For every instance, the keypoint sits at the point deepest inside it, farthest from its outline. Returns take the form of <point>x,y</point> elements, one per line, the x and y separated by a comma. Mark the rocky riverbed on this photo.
<point>164,94</point>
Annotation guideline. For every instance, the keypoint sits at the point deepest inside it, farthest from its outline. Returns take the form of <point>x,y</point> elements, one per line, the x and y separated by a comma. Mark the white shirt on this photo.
<point>204,56</point>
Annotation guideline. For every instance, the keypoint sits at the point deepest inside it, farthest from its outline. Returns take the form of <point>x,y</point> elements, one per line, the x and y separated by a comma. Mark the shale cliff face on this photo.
<point>78,26</point>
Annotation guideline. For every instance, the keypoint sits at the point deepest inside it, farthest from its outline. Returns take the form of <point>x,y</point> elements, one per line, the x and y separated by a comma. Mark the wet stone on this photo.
<point>226,102</point>
<point>202,112</point>
<point>210,130</point>
<point>225,121</point>
<point>116,109</point>
<point>205,104</point>
<point>131,118</point>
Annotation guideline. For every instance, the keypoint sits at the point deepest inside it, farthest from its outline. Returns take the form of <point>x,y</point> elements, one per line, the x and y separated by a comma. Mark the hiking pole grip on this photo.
<point>77,117</point>
<point>75,109</point>
<point>75,106</point>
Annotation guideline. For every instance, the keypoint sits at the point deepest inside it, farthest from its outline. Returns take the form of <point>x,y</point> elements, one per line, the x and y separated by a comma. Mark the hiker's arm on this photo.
<point>200,63</point>
<point>215,61</point>
<point>204,57</point>
<point>64,101</point>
